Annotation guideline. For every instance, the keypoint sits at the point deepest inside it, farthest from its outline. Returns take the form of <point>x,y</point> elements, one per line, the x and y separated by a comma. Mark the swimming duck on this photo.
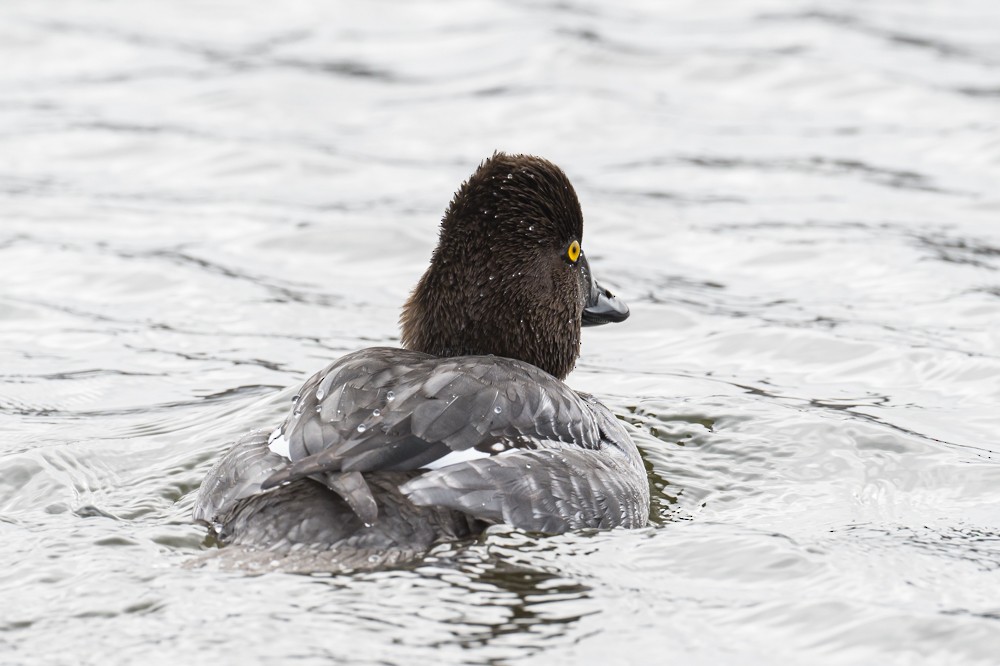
<point>470,423</point>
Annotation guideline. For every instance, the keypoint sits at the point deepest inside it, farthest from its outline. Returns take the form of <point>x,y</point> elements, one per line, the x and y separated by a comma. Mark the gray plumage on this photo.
<point>307,515</point>
<point>552,459</point>
<point>395,449</point>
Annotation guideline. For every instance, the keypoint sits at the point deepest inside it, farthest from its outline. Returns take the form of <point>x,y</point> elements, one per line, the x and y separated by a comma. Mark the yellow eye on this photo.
<point>573,251</point>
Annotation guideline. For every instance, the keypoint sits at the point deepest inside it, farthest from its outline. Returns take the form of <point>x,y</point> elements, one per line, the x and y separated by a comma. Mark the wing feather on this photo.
<point>240,473</point>
<point>398,410</point>
<point>546,490</point>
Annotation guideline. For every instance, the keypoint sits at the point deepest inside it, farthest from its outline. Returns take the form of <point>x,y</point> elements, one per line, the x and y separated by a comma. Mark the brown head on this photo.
<point>509,276</point>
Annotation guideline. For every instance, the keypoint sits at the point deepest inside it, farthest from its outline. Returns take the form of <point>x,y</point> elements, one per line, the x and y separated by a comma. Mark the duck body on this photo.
<point>387,451</point>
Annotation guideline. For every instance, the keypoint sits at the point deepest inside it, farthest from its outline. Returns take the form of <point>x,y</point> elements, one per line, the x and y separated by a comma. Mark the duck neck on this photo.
<point>447,315</point>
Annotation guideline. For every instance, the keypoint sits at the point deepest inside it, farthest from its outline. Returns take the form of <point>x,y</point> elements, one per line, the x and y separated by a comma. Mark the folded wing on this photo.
<point>501,440</point>
<point>395,410</point>
<point>546,490</point>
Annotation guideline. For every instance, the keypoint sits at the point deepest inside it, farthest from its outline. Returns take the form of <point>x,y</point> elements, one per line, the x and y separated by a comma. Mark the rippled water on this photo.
<point>202,204</point>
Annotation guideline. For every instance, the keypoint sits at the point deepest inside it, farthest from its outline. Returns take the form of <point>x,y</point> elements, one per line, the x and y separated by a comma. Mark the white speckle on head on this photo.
<point>278,444</point>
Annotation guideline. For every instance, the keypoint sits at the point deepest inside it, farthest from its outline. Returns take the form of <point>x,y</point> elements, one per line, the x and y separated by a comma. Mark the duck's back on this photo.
<point>390,448</point>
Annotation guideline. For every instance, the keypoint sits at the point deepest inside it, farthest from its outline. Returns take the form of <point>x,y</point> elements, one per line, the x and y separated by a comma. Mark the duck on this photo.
<point>387,451</point>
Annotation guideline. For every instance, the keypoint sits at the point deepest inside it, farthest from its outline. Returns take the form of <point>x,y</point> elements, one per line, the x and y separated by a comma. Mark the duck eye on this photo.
<point>573,251</point>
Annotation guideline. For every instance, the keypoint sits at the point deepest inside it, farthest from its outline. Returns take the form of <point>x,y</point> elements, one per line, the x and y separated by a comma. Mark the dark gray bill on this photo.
<point>602,307</point>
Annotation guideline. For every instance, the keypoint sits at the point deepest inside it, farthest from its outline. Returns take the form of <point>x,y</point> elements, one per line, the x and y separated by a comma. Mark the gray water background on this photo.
<point>203,203</point>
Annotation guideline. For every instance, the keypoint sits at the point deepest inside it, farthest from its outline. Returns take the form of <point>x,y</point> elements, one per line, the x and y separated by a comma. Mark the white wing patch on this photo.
<point>455,457</point>
<point>278,444</point>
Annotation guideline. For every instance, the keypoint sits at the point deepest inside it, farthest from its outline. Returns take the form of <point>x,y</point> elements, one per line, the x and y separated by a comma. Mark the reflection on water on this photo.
<point>198,208</point>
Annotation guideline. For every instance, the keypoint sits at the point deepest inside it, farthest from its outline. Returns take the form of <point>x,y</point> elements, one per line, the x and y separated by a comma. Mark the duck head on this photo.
<point>509,276</point>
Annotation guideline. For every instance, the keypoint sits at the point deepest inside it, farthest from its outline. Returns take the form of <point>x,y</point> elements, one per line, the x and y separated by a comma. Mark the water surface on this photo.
<point>202,204</point>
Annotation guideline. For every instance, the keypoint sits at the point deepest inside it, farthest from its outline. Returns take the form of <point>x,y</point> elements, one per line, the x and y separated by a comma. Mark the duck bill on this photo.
<point>602,307</point>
